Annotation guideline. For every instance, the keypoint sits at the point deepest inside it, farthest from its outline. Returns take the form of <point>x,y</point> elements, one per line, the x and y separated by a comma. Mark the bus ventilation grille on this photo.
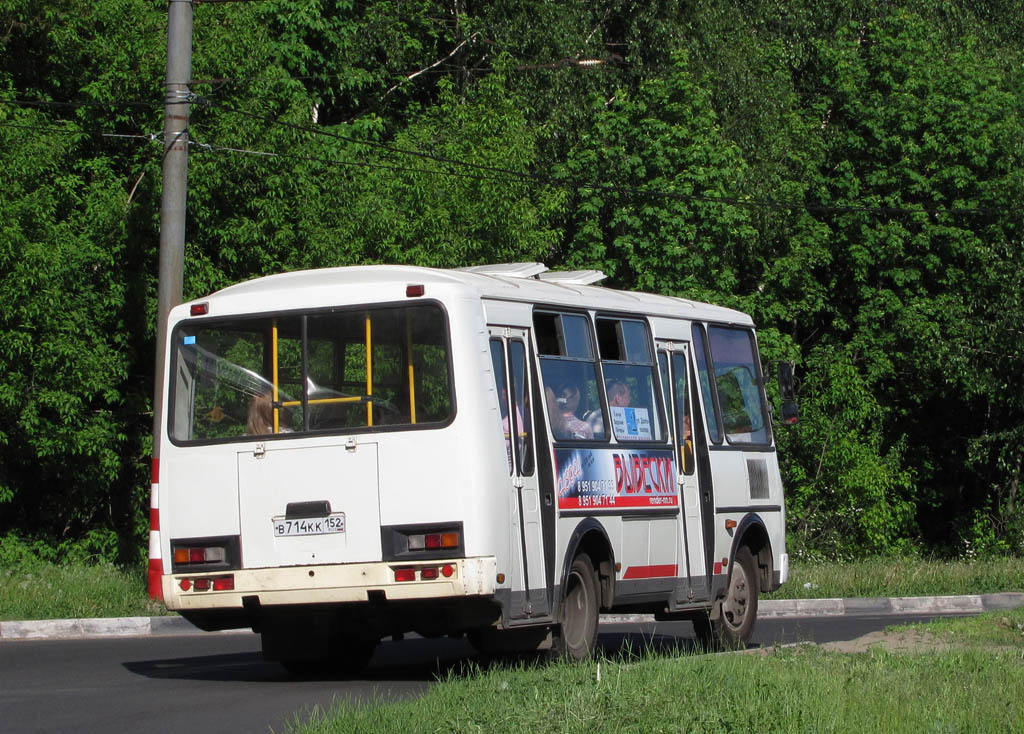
<point>757,473</point>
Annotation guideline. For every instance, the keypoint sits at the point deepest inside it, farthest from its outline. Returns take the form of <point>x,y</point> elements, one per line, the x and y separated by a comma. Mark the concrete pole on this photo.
<point>175,185</point>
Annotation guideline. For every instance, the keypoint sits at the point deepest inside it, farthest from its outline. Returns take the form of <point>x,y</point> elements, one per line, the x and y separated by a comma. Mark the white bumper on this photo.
<point>331,584</point>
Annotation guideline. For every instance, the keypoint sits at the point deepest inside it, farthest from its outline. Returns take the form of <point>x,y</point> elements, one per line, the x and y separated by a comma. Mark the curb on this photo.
<point>64,629</point>
<point>870,606</point>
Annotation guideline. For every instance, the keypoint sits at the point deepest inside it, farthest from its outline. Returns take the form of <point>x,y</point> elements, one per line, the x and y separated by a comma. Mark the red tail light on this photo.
<point>405,574</point>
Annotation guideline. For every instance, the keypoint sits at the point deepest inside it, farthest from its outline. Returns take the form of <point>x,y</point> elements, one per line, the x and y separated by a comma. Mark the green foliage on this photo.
<point>848,174</point>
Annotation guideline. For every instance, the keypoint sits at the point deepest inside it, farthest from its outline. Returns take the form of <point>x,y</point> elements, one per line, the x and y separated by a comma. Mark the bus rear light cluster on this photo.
<point>206,583</point>
<point>426,573</point>
<point>188,556</point>
<point>433,541</point>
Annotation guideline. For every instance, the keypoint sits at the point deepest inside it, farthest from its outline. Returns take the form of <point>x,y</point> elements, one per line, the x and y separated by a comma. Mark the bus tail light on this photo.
<point>205,583</point>
<point>219,553</point>
<point>428,574</point>
<point>433,541</point>
<point>405,574</point>
<point>191,556</point>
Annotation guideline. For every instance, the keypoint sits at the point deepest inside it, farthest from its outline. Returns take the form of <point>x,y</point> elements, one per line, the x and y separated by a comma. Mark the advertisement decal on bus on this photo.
<point>615,478</point>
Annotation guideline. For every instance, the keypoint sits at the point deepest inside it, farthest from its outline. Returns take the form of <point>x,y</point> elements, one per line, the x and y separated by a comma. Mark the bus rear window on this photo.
<point>343,371</point>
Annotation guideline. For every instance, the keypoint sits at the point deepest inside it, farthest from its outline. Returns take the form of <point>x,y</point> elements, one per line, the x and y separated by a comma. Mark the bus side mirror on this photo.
<point>790,410</point>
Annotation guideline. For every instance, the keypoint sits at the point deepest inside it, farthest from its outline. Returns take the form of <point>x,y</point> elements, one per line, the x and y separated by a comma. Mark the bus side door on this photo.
<point>673,361</point>
<point>509,357</point>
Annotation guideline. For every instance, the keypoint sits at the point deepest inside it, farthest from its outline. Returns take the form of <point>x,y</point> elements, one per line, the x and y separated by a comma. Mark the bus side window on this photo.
<point>682,409</point>
<point>568,371</point>
<point>508,423</point>
<point>629,378</point>
<point>706,386</point>
<point>521,413</point>
<point>738,383</point>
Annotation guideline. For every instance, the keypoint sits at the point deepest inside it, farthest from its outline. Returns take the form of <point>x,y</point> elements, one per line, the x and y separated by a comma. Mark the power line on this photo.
<point>87,103</point>
<point>628,190</point>
<point>87,133</point>
<point>500,174</point>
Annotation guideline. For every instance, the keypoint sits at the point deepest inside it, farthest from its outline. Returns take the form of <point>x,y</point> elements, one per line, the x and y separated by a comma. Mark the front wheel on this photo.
<point>735,624</point>
<point>579,611</point>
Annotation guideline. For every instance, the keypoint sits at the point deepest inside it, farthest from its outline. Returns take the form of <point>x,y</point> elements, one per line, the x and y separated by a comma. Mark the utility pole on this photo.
<point>175,185</point>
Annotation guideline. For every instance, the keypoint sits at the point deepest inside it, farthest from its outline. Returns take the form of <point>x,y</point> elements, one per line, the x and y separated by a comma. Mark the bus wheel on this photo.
<point>738,613</point>
<point>578,614</point>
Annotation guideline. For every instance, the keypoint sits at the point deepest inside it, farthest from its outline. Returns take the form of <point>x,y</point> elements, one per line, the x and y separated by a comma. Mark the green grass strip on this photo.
<point>969,689</point>
<point>49,591</point>
<point>901,577</point>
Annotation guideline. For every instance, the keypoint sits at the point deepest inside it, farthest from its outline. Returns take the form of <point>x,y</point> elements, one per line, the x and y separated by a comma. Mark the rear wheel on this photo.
<point>579,611</point>
<point>738,613</point>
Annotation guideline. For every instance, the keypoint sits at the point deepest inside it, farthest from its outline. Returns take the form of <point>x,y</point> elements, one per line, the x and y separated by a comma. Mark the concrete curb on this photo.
<point>870,606</point>
<point>63,629</point>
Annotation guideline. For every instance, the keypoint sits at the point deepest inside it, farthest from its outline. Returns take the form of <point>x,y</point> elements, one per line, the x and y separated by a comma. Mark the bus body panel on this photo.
<point>199,493</point>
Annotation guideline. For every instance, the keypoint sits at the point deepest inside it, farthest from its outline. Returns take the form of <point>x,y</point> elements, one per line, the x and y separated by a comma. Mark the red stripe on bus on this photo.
<point>650,572</point>
<point>153,584</point>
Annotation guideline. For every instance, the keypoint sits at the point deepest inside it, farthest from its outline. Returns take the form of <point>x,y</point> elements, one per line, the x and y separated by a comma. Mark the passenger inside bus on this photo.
<point>261,416</point>
<point>509,428</point>
<point>618,394</point>
<point>618,397</point>
<point>562,406</point>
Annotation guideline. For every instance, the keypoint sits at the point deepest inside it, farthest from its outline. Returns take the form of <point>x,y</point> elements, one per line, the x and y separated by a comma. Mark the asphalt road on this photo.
<point>219,683</point>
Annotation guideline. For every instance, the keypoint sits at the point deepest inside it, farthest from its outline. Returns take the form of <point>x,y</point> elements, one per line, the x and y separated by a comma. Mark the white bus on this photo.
<point>501,451</point>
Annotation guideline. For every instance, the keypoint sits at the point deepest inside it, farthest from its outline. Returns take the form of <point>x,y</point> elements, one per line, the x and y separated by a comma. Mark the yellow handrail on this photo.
<point>274,405</point>
<point>323,401</point>
<point>369,371</point>
<point>412,370</point>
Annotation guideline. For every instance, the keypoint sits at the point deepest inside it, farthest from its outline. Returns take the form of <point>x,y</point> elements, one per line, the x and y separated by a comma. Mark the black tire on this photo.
<point>577,638</point>
<point>738,613</point>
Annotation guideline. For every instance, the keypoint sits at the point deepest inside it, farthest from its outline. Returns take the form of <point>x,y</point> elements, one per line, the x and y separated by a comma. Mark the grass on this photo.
<point>902,577</point>
<point>971,687</point>
<point>39,590</point>
<point>51,591</point>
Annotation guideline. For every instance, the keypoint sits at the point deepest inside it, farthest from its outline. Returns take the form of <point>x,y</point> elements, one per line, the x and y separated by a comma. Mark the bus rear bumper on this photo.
<point>330,584</point>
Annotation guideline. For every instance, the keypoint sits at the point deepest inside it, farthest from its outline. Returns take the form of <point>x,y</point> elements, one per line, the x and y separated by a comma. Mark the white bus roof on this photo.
<point>522,282</point>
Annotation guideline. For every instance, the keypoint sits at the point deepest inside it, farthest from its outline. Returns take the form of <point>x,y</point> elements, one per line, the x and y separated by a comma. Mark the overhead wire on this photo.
<point>499,173</point>
<point>618,188</point>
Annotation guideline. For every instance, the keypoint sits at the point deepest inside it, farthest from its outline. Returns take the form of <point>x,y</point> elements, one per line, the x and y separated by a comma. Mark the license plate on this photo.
<point>329,525</point>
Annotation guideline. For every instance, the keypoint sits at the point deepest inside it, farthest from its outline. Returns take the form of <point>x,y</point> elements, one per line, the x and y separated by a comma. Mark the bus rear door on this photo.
<point>509,357</point>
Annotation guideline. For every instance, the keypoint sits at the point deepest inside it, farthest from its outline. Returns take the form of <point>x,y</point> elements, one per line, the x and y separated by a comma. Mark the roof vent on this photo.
<point>508,270</point>
<point>574,277</point>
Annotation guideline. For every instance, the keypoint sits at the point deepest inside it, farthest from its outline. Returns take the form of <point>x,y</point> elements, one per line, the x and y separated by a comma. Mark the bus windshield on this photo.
<point>340,371</point>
